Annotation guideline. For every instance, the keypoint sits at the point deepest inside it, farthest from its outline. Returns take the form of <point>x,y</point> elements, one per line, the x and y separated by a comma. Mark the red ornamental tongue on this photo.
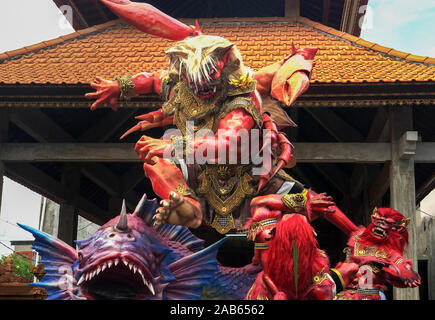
<point>151,20</point>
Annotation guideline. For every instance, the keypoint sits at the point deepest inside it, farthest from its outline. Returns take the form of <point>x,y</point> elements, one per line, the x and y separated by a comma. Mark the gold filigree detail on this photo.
<point>243,82</point>
<point>192,106</point>
<point>126,86</point>
<point>225,195</point>
<point>369,251</point>
<point>295,202</point>
<point>184,191</point>
<point>223,228</point>
<point>320,277</point>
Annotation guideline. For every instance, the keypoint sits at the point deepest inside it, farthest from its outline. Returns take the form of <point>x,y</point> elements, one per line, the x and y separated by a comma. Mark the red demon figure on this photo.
<point>207,88</point>
<point>295,268</point>
<point>378,250</point>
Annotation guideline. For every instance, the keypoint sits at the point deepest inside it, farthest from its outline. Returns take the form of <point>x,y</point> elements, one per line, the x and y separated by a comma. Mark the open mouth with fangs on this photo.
<point>117,278</point>
<point>205,91</point>
<point>379,232</point>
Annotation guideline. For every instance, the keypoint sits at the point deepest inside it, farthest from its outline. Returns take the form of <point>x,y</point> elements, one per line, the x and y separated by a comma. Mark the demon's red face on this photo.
<point>383,222</point>
<point>200,62</point>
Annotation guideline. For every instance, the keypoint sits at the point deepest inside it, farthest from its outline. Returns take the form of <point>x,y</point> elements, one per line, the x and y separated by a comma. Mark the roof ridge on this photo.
<point>316,25</point>
<point>367,44</point>
<point>59,40</point>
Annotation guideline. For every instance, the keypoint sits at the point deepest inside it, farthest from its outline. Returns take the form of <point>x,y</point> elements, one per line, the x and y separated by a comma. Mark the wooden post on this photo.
<point>431,260</point>
<point>292,8</point>
<point>68,218</point>
<point>402,183</point>
<point>4,125</point>
<point>68,212</point>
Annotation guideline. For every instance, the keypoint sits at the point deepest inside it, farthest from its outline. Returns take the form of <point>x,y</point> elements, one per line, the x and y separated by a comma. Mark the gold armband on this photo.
<point>296,202</point>
<point>126,86</point>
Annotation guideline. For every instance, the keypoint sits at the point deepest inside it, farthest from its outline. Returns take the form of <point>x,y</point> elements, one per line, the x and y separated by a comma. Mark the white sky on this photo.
<point>401,24</point>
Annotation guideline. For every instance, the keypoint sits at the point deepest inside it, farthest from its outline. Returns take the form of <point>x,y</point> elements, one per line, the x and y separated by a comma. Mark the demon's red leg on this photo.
<point>169,184</point>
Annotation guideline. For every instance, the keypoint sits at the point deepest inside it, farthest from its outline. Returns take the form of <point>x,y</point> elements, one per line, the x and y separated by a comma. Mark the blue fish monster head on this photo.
<point>125,258</point>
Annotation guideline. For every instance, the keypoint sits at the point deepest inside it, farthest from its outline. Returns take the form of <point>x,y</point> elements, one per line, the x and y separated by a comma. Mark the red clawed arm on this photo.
<point>340,220</point>
<point>229,127</point>
<point>287,79</point>
<point>146,83</point>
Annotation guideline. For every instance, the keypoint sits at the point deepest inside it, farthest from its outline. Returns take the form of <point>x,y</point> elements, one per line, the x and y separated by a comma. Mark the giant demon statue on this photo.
<point>208,84</point>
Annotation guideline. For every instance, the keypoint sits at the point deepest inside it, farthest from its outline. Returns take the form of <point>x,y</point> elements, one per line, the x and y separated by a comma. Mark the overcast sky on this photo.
<point>401,24</point>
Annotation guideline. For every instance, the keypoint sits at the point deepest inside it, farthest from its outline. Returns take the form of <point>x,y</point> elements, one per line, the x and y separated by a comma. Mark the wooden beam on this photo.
<point>425,152</point>
<point>107,126</point>
<point>336,126</point>
<point>335,176</point>
<point>402,184</point>
<point>425,188</point>
<point>381,185</point>
<point>292,8</point>
<point>110,182</point>
<point>4,127</point>
<point>39,126</point>
<point>124,152</point>
<point>45,185</point>
<point>68,211</point>
<point>79,21</point>
<point>101,10</point>
<point>378,133</point>
<point>431,260</point>
<point>132,178</point>
<point>35,123</point>
<point>325,11</point>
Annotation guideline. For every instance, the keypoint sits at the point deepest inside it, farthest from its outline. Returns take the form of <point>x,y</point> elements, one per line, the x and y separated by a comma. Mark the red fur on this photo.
<point>280,264</point>
<point>394,241</point>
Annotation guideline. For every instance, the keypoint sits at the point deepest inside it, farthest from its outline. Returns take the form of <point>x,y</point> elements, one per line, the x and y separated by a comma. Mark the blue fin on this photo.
<point>193,272</point>
<point>58,259</point>
<point>146,209</point>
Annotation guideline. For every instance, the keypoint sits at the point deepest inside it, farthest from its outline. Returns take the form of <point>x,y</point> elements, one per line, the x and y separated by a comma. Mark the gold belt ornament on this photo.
<point>225,187</point>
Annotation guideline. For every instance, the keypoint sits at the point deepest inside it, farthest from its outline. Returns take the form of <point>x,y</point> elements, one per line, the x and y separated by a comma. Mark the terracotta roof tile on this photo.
<point>115,48</point>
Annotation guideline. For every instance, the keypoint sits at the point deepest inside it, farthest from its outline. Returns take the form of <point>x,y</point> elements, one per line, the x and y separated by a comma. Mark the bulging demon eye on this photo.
<point>80,257</point>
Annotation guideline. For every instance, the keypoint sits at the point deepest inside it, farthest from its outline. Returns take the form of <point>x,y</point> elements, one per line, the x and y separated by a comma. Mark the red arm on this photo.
<point>230,126</point>
<point>287,79</point>
<point>109,91</point>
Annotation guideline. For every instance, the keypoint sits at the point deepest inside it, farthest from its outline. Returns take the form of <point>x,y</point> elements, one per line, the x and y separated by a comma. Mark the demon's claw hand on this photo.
<point>178,210</point>
<point>148,147</point>
<point>108,91</point>
<point>319,204</point>
<point>150,120</point>
<point>348,272</point>
<point>402,275</point>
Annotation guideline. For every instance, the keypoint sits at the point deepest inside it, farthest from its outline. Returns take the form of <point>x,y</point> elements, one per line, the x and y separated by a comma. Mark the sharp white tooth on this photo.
<point>140,272</point>
<point>134,269</point>
<point>98,270</point>
<point>82,279</point>
<point>144,281</point>
<point>93,274</point>
<point>116,262</point>
<point>87,277</point>
<point>104,267</point>
<point>130,266</point>
<point>150,286</point>
<point>125,262</point>
<point>109,264</point>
